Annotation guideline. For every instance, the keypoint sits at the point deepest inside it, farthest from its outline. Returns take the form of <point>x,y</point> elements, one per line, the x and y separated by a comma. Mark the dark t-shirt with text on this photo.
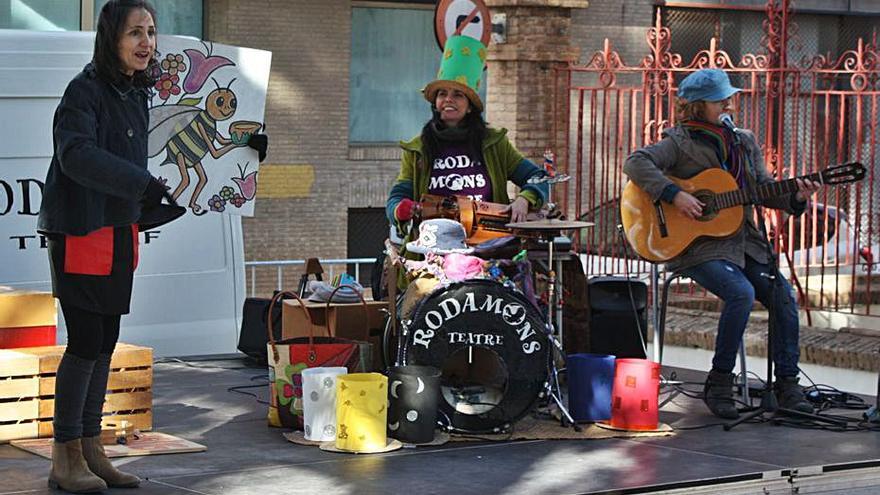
<point>458,170</point>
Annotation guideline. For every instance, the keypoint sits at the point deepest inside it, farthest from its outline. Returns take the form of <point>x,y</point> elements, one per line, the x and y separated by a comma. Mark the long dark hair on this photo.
<point>111,22</point>
<point>477,129</point>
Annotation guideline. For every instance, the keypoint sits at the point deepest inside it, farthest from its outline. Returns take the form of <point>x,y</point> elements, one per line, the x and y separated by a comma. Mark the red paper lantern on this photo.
<point>634,394</point>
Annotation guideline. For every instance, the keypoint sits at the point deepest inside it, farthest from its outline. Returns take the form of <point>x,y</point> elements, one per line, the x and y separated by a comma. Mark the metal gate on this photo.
<point>807,114</point>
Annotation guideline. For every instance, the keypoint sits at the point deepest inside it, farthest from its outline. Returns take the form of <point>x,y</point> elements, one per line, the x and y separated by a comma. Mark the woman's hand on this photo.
<point>806,188</point>
<point>519,209</point>
<point>688,205</point>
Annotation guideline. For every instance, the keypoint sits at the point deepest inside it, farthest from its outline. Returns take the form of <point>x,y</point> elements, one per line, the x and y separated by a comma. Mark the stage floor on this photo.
<point>192,400</point>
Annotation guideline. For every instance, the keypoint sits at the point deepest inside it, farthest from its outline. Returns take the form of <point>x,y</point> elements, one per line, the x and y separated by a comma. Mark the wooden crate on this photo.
<point>27,388</point>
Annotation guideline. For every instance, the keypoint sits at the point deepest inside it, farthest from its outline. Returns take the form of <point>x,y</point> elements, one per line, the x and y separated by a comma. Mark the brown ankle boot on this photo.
<point>70,471</point>
<point>93,451</point>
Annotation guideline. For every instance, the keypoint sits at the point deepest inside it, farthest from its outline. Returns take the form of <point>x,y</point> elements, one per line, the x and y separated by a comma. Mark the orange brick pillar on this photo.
<point>521,77</point>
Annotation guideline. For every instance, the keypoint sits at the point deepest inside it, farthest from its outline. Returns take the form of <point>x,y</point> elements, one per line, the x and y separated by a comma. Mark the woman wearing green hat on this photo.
<point>732,268</point>
<point>456,153</point>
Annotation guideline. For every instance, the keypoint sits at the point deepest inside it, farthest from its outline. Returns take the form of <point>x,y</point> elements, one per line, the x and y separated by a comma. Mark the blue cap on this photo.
<point>706,85</point>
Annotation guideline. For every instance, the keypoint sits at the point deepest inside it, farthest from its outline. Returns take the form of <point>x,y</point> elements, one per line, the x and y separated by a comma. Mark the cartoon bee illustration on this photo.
<point>187,133</point>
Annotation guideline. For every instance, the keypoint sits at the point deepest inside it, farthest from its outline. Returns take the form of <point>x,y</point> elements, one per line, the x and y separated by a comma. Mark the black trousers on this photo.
<point>88,333</point>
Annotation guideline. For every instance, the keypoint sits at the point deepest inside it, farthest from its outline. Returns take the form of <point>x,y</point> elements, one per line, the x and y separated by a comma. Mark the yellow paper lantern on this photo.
<point>361,412</point>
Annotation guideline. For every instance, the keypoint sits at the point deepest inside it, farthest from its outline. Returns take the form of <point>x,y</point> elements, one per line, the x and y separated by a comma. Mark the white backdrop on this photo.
<point>189,286</point>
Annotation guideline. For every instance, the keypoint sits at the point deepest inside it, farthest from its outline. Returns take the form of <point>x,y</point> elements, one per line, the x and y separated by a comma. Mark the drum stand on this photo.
<point>554,304</point>
<point>549,229</point>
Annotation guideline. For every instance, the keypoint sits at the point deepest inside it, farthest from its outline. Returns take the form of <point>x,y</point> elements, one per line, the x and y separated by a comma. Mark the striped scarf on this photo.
<point>721,139</point>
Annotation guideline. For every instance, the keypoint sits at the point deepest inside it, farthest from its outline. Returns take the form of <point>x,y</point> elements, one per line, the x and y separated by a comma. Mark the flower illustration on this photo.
<point>216,203</point>
<point>247,184</point>
<point>167,85</point>
<point>227,193</point>
<point>289,388</point>
<point>201,67</point>
<point>238,200</point>
<point>173,63</point>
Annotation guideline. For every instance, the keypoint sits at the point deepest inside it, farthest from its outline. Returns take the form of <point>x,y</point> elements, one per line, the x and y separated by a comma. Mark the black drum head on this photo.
<point>490,344</point>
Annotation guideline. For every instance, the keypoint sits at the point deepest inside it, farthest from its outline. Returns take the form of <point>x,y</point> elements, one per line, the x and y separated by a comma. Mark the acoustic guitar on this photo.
<point>658,232</point>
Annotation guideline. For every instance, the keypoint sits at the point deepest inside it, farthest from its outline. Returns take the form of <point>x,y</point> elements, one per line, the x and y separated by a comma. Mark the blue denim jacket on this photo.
<point>98,171</point>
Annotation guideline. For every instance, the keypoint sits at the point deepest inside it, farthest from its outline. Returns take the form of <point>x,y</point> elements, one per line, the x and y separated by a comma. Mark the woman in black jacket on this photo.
<point>95,190</point>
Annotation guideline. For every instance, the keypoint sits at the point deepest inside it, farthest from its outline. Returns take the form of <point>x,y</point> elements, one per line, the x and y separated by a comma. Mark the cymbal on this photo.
<point>550,224</point>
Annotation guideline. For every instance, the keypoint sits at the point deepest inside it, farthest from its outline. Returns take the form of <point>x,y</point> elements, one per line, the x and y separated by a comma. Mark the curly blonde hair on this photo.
<point>685,110</point>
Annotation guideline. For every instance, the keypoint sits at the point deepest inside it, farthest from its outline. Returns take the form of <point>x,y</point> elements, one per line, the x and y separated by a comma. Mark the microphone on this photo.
<point>727,121</point>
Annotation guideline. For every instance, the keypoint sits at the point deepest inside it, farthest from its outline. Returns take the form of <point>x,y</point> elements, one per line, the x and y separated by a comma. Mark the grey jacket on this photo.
<point>99,171</point>
<point>680,155</point>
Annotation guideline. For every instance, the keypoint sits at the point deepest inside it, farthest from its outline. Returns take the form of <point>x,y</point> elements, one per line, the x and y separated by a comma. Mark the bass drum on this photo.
<point>490,344</point>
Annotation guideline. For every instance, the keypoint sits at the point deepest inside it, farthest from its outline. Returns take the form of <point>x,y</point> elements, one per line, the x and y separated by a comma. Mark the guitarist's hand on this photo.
<point>688,205</point>
<point>806,188</point>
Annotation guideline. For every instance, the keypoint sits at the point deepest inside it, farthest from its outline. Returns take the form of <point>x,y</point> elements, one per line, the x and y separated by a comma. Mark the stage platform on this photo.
<point>193,400</point>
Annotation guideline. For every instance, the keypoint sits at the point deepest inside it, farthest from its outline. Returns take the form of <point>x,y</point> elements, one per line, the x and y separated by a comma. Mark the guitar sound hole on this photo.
<point>708,199</point>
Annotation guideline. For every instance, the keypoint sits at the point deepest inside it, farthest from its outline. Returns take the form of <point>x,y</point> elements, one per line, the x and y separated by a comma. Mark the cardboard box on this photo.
<point>27,388</point>
<point>350,321</point>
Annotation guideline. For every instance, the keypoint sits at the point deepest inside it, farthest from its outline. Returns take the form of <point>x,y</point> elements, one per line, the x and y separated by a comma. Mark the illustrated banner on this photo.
<point>209,100</point>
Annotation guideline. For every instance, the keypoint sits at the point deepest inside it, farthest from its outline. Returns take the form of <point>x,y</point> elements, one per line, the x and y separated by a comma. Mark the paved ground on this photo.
<point>246,457</point>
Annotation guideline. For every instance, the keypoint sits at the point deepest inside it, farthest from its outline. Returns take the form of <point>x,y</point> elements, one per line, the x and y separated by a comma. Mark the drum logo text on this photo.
<point>512,314</point>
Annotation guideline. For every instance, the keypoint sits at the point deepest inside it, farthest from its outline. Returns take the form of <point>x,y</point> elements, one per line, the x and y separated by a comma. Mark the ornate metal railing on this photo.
<point>807,114</point>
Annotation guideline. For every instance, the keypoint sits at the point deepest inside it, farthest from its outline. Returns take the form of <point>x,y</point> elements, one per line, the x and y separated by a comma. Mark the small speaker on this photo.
<point>614,322</point>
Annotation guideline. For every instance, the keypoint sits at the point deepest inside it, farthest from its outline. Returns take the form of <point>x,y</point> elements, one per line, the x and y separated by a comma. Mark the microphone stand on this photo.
<point>769,404</point>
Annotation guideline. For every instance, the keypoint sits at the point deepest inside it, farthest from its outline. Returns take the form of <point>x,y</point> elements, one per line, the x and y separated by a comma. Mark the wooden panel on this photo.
<point>20,308</point>
<point>119,380</point>
<point>143,421</point>
<point>17,363</point>
<point>125,401</point>
<point>19,430</point>
<point>14,388</point>
<point>129,379</point>
<point>19,410</point>
<point>125,356</point>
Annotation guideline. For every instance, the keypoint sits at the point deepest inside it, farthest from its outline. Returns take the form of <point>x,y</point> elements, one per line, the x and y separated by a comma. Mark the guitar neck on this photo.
<point>739,197</point>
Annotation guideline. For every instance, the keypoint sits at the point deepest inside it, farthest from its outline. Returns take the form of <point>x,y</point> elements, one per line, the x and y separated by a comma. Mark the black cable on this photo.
<point>238,388</point>
<point>827,397</point>
<point>629,287</point>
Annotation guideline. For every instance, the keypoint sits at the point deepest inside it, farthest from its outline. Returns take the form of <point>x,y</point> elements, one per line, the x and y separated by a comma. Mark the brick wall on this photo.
<point>310,177</point>
<point>623,22</point>
<point>303,212</point>
<point>521,73</point>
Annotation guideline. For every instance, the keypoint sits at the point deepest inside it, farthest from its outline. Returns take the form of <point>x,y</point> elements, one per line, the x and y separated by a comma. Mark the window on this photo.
<point>175,16</point>
<point>39,15</point>
<point>393,55</point>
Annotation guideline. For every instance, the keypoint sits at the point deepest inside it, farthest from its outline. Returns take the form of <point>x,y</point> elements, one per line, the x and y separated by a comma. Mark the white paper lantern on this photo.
<point>319,402</point>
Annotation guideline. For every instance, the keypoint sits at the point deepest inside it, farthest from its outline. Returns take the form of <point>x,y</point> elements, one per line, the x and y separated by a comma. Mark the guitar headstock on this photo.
<point>843,174</point>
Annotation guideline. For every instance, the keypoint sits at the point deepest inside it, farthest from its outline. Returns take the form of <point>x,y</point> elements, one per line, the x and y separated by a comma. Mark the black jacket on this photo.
<point>98,171</point>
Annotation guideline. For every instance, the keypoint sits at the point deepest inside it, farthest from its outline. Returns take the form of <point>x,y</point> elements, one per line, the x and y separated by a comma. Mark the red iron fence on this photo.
<point>807,114</point>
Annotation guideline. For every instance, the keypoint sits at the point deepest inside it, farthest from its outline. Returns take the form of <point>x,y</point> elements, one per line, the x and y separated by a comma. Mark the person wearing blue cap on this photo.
<point>732,268</point>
